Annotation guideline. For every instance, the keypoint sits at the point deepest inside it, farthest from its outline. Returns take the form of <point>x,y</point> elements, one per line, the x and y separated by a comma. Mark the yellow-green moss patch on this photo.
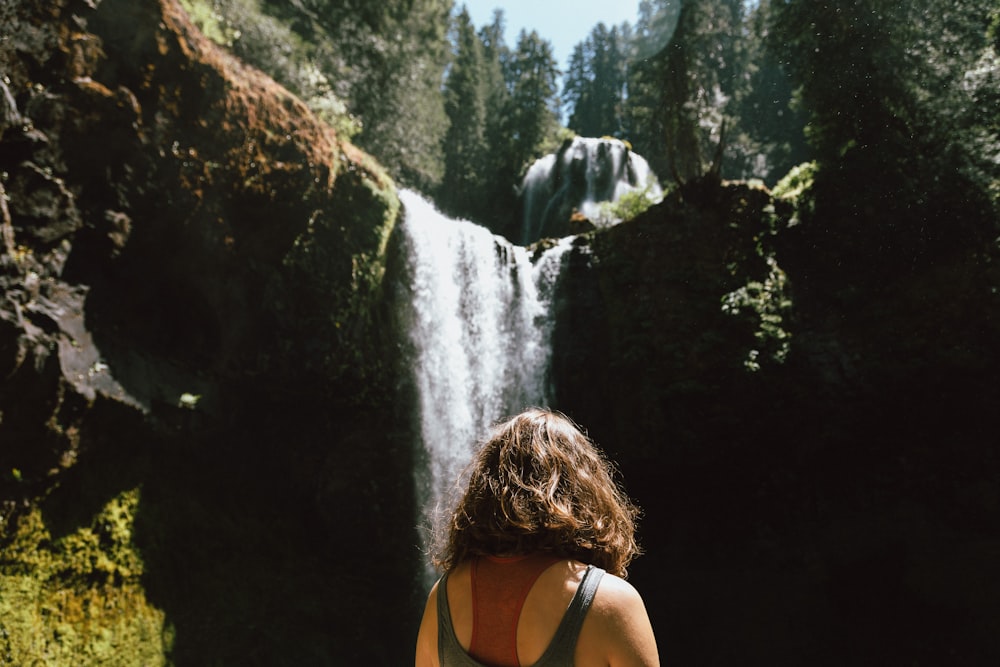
<point>78,599</point>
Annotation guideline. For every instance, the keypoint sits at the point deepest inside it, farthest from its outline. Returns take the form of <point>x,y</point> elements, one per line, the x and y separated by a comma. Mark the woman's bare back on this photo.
<point>616,631</point>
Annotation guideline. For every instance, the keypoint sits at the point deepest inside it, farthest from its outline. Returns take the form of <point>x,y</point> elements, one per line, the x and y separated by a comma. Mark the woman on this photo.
<point>534,559</point>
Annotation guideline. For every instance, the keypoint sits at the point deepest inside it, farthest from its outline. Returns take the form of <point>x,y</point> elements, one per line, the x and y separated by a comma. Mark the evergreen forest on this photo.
<point>746,90</point>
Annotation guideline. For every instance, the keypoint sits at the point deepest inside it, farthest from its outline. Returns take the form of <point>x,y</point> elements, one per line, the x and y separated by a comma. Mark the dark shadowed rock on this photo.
<point>191,267</point>
<point>803,450</point>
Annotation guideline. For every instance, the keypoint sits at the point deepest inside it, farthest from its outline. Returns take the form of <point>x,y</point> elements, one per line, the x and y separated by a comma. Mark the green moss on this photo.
<point>796,182</point>
<point>629,206</point>
<point>78,599</point>
<point>795,194</point>
<point>210,21</point>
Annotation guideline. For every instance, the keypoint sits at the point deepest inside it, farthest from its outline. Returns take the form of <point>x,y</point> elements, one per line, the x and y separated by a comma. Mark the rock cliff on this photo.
<point>190,264</point>
<point>813,450</point>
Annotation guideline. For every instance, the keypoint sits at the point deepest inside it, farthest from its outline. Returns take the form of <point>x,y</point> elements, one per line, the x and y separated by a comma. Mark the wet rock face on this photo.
<point>188,267</point>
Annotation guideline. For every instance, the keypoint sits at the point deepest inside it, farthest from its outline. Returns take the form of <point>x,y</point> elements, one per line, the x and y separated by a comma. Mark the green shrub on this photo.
<point>796,189</point>
<point>796,182</point>
<point>630,205</point>
<point>768,303</point>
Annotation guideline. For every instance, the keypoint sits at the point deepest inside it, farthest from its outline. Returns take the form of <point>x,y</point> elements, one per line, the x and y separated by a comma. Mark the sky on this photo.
<point>564,23</point>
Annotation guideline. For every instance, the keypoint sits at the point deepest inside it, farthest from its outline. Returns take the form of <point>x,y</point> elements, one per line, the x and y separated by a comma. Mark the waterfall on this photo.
<point>536,193</point>
<point>476,313</point>
<point>582,176</point>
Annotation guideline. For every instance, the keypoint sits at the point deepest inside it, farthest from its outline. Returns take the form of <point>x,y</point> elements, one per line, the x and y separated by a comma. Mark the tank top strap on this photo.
<point>561,650</point>
<point>450,652</point>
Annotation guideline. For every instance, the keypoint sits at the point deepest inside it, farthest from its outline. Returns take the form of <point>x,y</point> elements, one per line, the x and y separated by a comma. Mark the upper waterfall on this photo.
<point>584,174</point>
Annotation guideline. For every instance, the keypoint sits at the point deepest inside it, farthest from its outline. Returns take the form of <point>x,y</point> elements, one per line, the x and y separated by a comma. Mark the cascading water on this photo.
<point>476,310</point>
<point>583,175</point>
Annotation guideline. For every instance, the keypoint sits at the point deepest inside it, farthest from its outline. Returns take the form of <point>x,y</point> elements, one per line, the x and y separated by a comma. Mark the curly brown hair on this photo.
<point>539,484</point>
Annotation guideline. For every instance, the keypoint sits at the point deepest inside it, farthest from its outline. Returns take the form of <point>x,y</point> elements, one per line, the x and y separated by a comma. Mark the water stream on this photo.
<point>479,329</point>
<point>476,309</point>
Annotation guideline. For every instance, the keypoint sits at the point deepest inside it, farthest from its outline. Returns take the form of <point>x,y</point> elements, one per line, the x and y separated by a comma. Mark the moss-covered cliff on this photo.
<point>189,348</point>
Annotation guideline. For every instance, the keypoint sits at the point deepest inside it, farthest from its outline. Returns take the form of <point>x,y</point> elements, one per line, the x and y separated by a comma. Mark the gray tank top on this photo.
<point>559,652</point>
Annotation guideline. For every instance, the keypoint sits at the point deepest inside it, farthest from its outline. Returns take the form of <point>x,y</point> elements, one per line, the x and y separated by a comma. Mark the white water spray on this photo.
<point>479,326</point>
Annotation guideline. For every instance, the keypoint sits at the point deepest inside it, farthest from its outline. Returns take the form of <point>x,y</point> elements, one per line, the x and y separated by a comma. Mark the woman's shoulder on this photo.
<point>618,624</point>
<point>617,601</point>
<point>614,590</point>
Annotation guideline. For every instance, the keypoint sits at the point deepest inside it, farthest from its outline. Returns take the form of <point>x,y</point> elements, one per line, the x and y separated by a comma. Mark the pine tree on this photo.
<point>500,171</point>
<point>644,125</point>
<point>771,126</point>
<point>700,66</point>
<point>400,100</point>
<point>901,100</point>
<point>697,74</point>
<point>576,86</point>
<point>594,87</point>
<point>466,97</point>
<point>532,78</point>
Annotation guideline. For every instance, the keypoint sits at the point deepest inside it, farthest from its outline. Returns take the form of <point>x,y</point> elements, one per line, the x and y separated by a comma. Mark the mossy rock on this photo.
<point>78,599</point>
